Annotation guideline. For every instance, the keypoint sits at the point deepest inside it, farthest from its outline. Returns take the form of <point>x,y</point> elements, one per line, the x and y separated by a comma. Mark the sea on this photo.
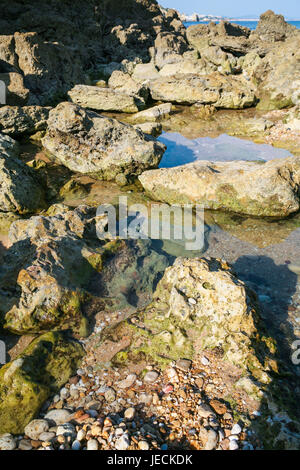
<point>250,24</point>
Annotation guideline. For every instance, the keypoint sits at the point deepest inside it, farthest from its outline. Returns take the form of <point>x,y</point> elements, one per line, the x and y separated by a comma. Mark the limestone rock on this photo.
<point>57,263</point>
<point>260,189</point>
<point>224,316</point>
<point>86,142</point>
<point>20,191</point>
<point>124,83</point>
<point>25,383</point>
<point>154,114</point>
<point>16,93</point>
<point>145,72</point>
<point>17,120</point>
<point>222,92</point>
<point>102,99</point>
<point>273,28</point>
<point>8,146</point>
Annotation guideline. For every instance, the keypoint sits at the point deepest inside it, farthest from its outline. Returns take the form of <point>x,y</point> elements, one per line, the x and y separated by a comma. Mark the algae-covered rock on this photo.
<point>199,304</point>
<point>56,264</point>
<point>25,383</point>
<point>251,188</point>
<point>88,143</point>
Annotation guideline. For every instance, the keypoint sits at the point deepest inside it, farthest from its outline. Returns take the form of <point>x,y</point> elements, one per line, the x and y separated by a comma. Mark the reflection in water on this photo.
<point>181,150</point>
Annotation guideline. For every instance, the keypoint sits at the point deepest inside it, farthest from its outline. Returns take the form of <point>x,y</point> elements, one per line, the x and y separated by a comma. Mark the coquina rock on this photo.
<point>57,263</point>
<point>17,120</point>
<point>20,190</point>
<point>123,83</point>
<point>219,90</point>
<point>103,99</point>
<point>86,142</point>
<point>26,383</point>
<point>154,114</point>
<point>260,189</point>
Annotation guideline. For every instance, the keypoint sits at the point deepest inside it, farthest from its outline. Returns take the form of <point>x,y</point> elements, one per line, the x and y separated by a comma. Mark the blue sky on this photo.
<point>288,8</point>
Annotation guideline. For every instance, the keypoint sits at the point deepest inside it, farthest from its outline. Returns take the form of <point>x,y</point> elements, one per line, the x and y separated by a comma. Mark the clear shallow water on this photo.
<point>249,24</point>
<point>181,150</point>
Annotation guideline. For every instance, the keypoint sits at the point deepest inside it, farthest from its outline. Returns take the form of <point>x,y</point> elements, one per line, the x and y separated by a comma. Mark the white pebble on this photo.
<point>92,444</point>
<point>236,429</point>
<point>204,361</point>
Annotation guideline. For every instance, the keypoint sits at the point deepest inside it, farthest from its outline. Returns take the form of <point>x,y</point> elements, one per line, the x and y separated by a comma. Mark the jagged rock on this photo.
<point>168,49</point>
<point>222,92</point>
<point>272,27</point>
<point>277,77</point>
<point>20,191</point>
<point>56,263</point>
<point>292,120</point>
<point>16,93</point>
<point>26,383</point>
<point>124,83</point>
<point>53,60</point>
<point>151,128</point>
<point>17,120</point>
<point>260,189</point>
<point>154,114</point>
<point>224,315</point>
<point>103,99</point>
<point>8,146</point>
<point>145,72</point>
<point>86,142</point>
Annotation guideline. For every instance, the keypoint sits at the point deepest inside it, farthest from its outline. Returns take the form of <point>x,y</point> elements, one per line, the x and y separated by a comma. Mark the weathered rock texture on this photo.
<point>53,59</point>
<point>86,142</point>
<point>260,189</point>
<point>103,99</point>
<point>219,90</point>
<point>26,383</point>
<point>200,305</point>
<point>56,264</point>
<point>20,190</point>
<point>17,120</point>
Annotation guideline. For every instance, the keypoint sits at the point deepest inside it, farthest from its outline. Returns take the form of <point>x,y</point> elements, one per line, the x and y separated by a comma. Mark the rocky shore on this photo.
<point>116,344</point>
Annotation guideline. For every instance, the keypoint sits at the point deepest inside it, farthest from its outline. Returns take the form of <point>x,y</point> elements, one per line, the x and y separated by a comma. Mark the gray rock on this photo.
<point>35,428</point>
<point>7,442</point>
<point>88,143</point>
<point>102,99</point>
<point>58,416</point>
<point>17,120</point>
<point>20,191</point>
<point>151,376</point>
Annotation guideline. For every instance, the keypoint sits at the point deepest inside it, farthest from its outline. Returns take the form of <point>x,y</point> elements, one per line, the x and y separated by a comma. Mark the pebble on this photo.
<point>64,393</point>
<point>184,364</point>
<point>233,445</point>
<point>205,410</point>
<point>81,435</point>
<point>58,416</point>
<point>143,445</point>
<point>204,361</point>
<point>46,436</point>
<point>164,447</point>
<point>212,440</point>
<point>128,382</point>
<point>236,429</point>
<point>7,442</point>
<point>76,445</point>
<point>66,429</point>
<point>123,442</point>
<point>92,444</point>
<point>151,376</point>
<point>110,395</point>
<point>35,428</point>
<point>129,413</point>
<point>192,301</point>
<point>24,444</point>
